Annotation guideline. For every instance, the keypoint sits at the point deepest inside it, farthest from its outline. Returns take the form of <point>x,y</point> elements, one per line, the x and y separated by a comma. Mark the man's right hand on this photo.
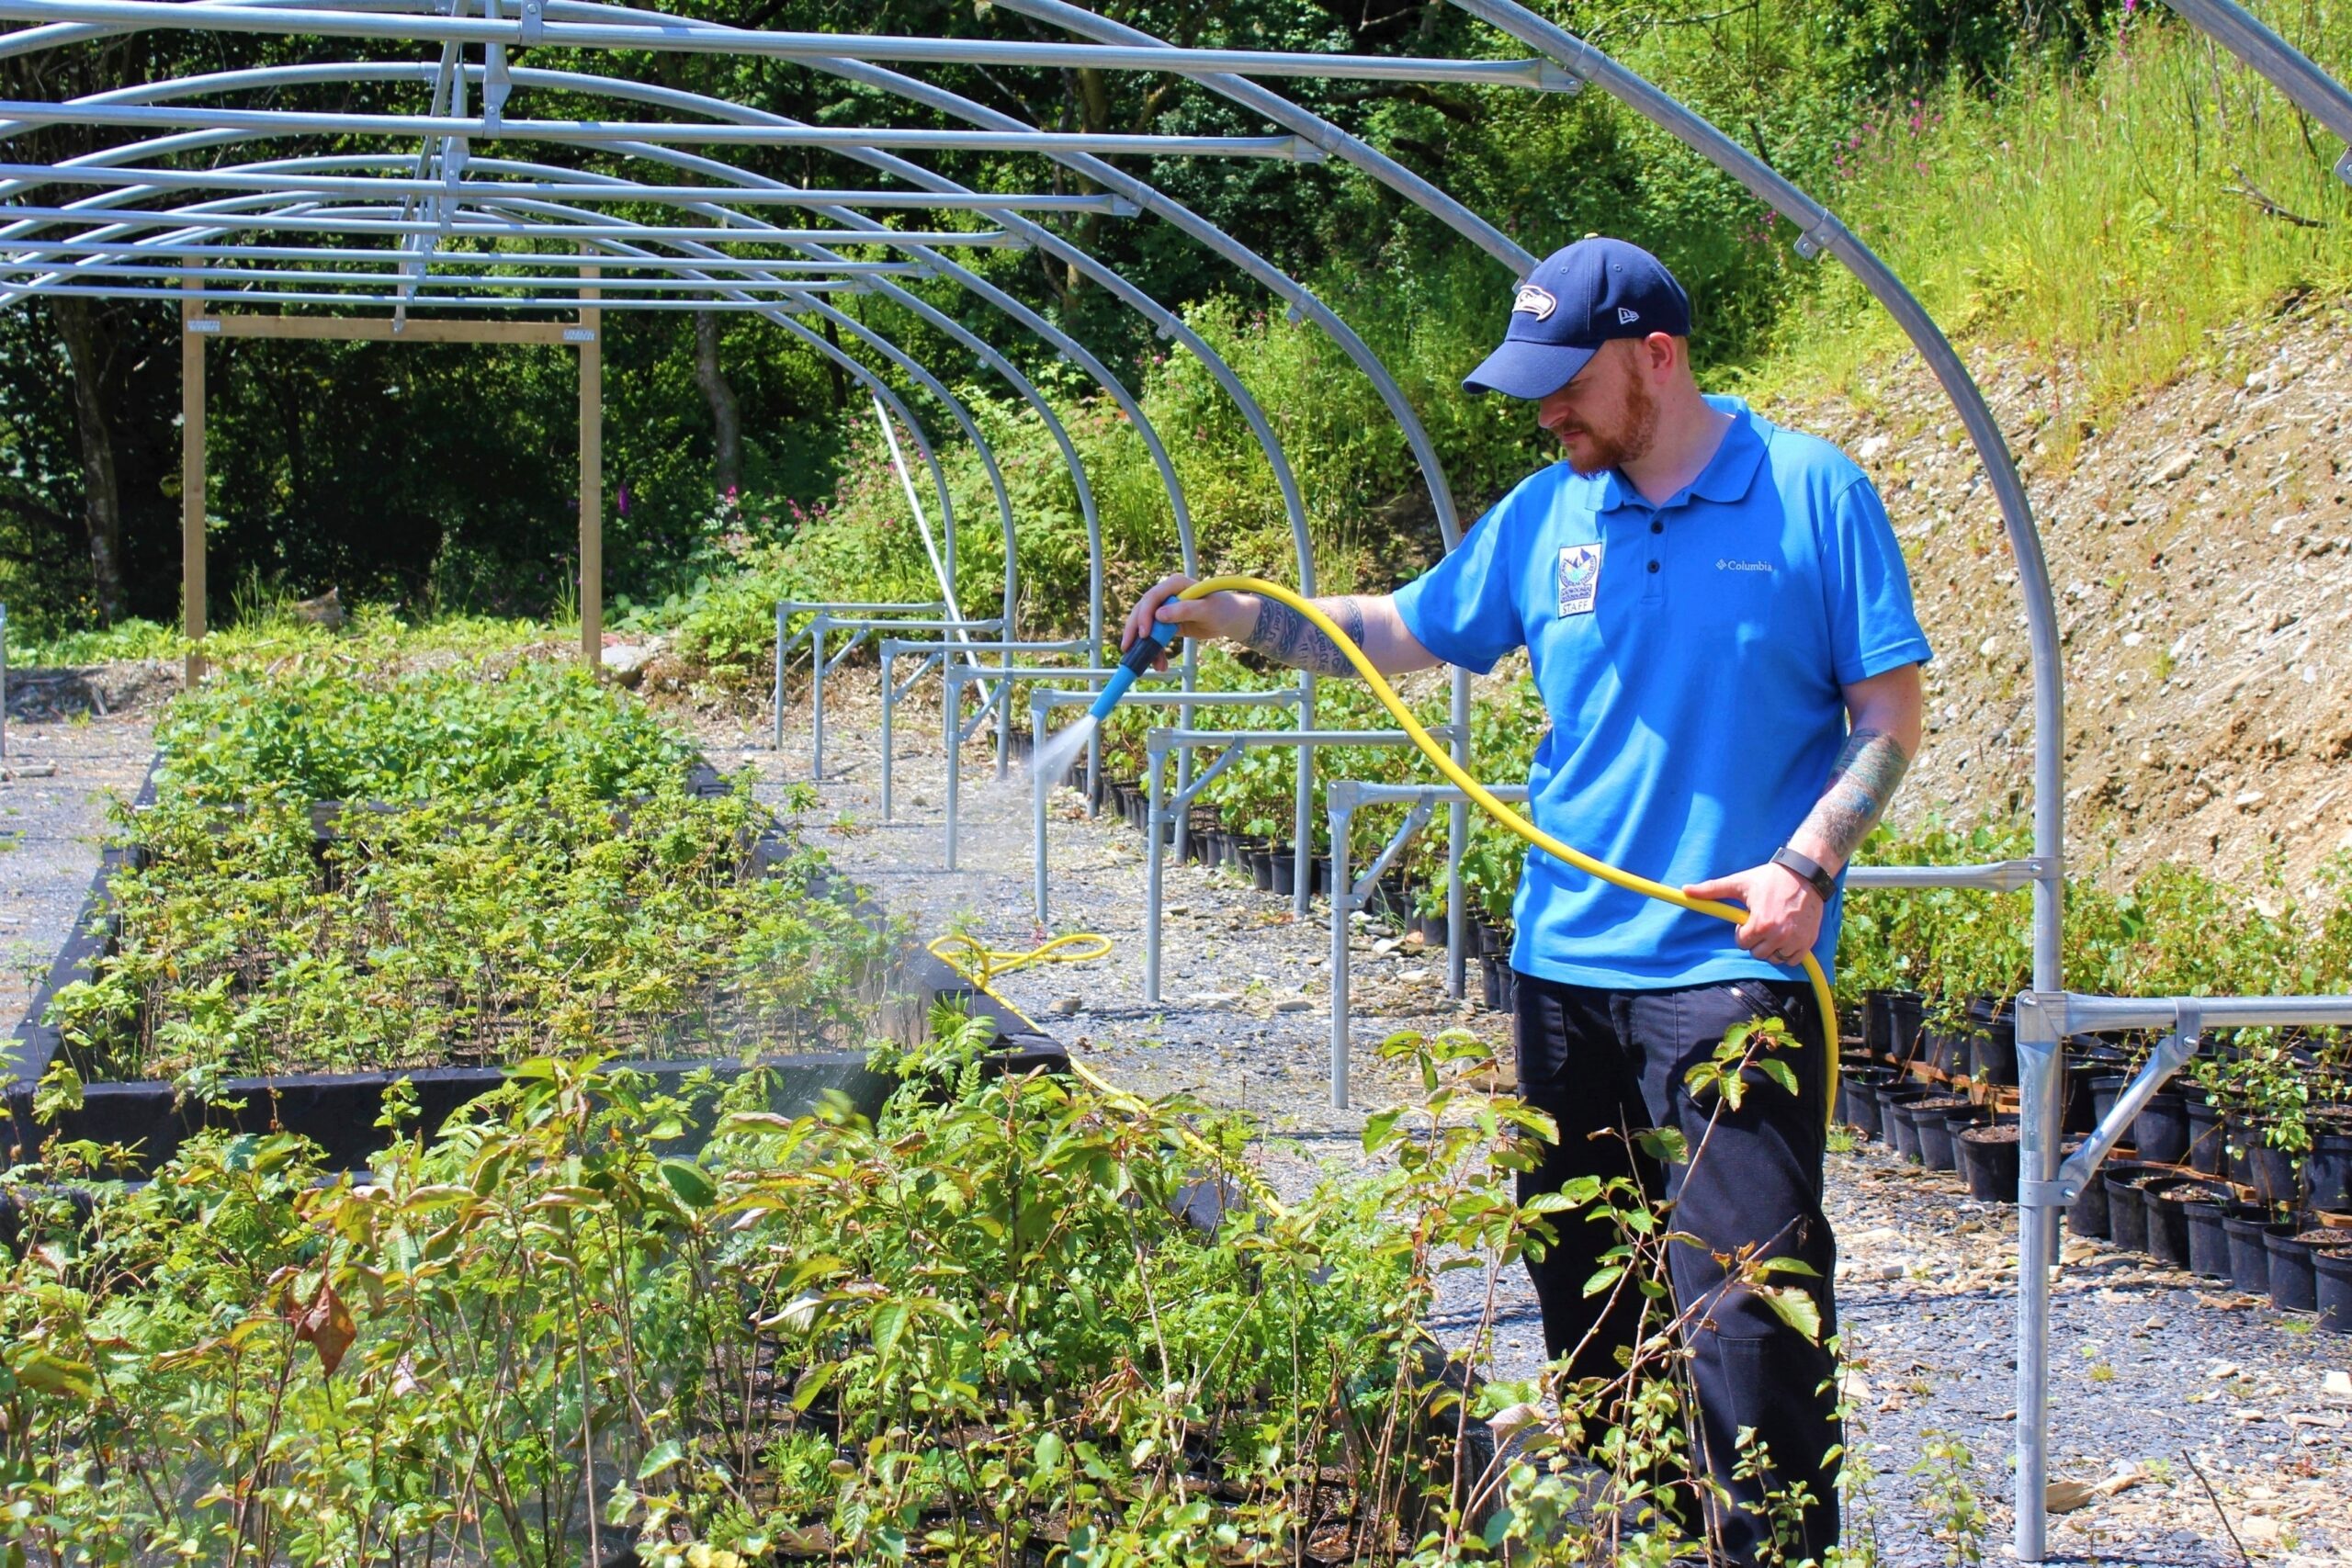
<point>1211,616</point>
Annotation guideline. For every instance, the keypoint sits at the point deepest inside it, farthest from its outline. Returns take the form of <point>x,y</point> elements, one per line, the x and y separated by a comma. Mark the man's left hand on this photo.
<point>1783,911</point>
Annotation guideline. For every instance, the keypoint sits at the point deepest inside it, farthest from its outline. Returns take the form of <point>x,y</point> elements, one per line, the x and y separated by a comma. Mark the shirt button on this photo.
<point>1652,566</point>
<point>1658,527</point>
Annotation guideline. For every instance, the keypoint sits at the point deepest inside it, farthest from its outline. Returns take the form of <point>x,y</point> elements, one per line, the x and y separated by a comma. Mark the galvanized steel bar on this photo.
<point>672,34</point>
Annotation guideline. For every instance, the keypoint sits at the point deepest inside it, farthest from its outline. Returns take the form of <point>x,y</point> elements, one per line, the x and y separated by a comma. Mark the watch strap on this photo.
<point>1808,868</point>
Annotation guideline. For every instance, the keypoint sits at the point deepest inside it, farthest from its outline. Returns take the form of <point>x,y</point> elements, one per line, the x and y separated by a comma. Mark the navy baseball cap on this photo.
<point>1574,301</point>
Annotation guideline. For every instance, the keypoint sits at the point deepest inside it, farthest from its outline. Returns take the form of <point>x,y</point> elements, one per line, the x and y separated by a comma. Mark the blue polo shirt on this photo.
<point>1693,657</point>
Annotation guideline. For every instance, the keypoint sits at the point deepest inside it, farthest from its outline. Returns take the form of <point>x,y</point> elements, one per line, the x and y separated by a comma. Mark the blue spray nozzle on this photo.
<point>1140,657</point>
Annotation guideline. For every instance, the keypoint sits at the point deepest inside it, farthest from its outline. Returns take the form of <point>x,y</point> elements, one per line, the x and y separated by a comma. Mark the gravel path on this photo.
<point>55,785</point>
<point>2152,1368</point>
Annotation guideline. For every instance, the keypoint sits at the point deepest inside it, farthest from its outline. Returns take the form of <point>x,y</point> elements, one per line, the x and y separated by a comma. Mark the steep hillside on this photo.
<point>2200,544</point>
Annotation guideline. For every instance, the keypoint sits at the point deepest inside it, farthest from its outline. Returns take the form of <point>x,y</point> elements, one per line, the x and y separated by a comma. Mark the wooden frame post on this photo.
<point>586,335</point>
<point>592,477</point>
<point>194,327</point>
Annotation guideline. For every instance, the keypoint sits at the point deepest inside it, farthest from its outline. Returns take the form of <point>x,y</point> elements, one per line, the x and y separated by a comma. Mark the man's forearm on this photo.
<point>1288,638</point>
<point>1869,769</point>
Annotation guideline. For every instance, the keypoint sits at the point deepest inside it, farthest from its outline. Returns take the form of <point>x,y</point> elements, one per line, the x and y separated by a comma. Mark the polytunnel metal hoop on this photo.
<point>425,216</point>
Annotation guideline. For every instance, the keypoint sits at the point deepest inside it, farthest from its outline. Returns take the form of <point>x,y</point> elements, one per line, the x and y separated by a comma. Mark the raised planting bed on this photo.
<point>1010,1321</point>
<point>254,957</point>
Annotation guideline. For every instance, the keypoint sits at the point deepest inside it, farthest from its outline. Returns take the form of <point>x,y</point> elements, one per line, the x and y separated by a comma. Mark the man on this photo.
<point>1719,625</point>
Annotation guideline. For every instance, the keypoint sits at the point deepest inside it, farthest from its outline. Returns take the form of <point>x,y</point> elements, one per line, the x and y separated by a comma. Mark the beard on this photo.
<point>1628,438</point>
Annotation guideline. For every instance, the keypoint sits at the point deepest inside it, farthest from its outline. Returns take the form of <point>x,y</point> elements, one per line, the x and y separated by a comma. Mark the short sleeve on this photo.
<point>1873,627</point>
<point>1462,608</point>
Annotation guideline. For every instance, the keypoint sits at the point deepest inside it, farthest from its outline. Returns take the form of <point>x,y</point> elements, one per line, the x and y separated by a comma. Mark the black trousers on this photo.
<point>1606,1064</point>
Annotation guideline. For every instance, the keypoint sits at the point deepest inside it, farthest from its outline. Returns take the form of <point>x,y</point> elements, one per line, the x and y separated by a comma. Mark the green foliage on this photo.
<point>2111,213</point>
<point>317,732</point>
<point>516,867</point>
<point>971,1330</point>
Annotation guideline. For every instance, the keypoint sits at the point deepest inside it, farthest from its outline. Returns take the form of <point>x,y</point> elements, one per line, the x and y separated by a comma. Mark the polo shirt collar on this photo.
<point>1725,479</point>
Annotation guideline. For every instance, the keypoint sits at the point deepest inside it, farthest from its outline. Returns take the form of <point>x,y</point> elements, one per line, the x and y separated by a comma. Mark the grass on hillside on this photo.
<point>2112,219</point>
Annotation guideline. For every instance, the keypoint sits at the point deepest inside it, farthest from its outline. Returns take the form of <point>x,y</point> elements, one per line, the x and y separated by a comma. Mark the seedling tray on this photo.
<point>339,1110</point>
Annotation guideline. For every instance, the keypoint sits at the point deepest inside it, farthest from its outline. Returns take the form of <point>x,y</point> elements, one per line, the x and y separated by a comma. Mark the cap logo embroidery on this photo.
<point>1533,301</point>
<point>1626,316</point>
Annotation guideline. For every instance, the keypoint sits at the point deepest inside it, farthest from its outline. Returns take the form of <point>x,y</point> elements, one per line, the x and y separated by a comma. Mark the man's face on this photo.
<point>1606,418</point>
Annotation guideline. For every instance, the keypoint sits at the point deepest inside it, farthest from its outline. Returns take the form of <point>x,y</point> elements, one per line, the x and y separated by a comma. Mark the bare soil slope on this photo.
<point>2200,543</point>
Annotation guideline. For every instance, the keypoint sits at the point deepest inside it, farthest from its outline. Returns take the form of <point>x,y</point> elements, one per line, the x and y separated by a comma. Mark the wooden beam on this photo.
<point>192,478</point>
<point>592,477</point>
<point>382,329</point>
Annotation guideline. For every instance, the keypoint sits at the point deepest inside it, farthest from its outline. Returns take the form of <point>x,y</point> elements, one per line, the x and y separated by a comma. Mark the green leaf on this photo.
<point>813,1382</point>
<point>663,1456</point>
<point>1376,1128</point>
<point>1793,1307</point>
<point>889,1322</point>
<point>1779,1073</point>
<point>55,1375</point>
<point>1603,1279</point>
<point>1049,1453</point>
<point>689,1184</point>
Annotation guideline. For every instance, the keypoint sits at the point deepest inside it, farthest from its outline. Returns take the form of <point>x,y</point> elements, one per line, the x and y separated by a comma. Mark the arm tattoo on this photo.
<point>1288,638</point>
<point>1863,780</point>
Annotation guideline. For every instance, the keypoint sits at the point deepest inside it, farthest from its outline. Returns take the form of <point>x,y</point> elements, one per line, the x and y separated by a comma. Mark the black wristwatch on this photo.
<point>1808,868</point>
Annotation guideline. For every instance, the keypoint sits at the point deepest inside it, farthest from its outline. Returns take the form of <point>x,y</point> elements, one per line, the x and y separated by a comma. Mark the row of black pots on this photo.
<point>2198,1224</point>
<point>2184,1128</point>
<point>2189,1220</point>
<point>1932,1127</point>
<point>1983,1045</point>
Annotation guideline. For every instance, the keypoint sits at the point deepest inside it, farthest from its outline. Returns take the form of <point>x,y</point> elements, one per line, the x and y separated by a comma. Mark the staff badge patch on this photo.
<point>1579,578</point>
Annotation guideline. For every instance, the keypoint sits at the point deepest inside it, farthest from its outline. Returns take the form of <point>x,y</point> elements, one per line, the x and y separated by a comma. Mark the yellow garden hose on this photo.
<point>980,964</point>
<point>1445,764</point>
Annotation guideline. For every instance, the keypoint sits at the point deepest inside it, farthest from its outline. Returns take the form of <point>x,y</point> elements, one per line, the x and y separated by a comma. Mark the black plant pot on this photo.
<point>2207,1155</point>
<point>2166,1199</point>
<point>1261,869</point>
<point>1903,1129</point>
<point>1851,1064</point>
<point>2086,1215</point>
<point>2329,1168</point>
<point>2161,1130</point>
<point>1285,872</point>
<point>1902,1135</point>
<point>2247,1225</point>
<point>2293,1285</point>
<point>2239,1139</point>
<point>2089,1213</point>
<point>1858,1090</point>
<point>2105,1087</point>
<point>1322,882</point>
<point>1993,1043</point>
<point>1906,1010</point>
<point>2077,1112</point>
<point>2332,1289</point>
<point>1932,1129</point>
<point>1877,1031</point>
<point>1948,1051</point>
<point>2209,1239</point>
<point>1988,1158</point>
<point>2127,1215</point>
<point>1490,981</point>
<point>2273,1176</point>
